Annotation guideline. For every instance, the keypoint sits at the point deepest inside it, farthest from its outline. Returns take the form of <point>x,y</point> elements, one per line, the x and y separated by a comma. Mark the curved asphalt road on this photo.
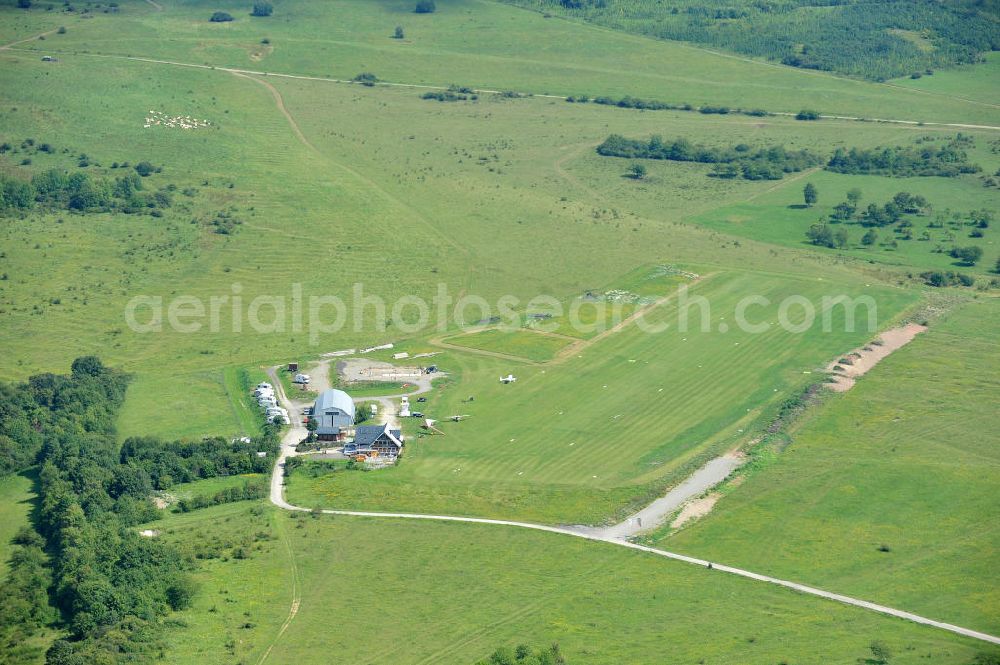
<point>297,432</point>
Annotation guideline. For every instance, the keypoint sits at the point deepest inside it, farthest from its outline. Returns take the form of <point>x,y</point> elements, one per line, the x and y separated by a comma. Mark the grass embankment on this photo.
<point>890,492</point>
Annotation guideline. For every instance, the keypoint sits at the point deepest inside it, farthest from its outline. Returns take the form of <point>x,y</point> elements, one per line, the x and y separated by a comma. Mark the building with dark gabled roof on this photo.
<point>376,438</point>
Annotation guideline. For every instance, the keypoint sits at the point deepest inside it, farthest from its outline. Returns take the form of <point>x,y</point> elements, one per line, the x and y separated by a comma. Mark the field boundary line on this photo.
<point>368,182</point>
<point>10,46</point>
<point>575,344</point>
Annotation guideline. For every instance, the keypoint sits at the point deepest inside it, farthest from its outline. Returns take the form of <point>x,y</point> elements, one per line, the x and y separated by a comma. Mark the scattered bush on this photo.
<point>939,278</point>
<point>425,7</point>
<point>262,8</point>
<point>968,256</point>
<point>221,17</point>
<point>366,78</point>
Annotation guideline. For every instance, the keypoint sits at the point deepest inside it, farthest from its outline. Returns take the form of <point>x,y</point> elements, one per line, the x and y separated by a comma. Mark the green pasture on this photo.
<point>17,500</point>
<point>446,193</point>
<point>980,82</point>
<point>370,194</point>
<point>597,309</point>
<point>376,388</point>
<point>209,486</point>
<point>908,460</point>
<point>466,589</point>
<point>487,45</point>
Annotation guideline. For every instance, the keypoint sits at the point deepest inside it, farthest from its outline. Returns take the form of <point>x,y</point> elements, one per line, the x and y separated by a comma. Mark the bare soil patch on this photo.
<point>846,369</point>
<point>695,509</point>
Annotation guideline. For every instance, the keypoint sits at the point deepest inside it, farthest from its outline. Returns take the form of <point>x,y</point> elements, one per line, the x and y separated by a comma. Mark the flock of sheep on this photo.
<point>183,121</point>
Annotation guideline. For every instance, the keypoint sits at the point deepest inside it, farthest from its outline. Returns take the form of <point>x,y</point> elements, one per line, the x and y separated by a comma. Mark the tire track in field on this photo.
<point>559,164</point>
<point>28,39</point>
<point>785,181</point>
<point>293,610</point>
<point>368,182</point>
<point>480,632</point>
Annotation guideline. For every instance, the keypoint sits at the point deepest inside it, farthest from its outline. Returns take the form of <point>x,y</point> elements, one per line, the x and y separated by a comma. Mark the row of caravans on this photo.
<point>268,403</point>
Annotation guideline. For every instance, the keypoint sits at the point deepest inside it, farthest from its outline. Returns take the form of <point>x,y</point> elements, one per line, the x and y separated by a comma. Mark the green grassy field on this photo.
<point>17,497</point>
<point>486,44</point>
<point>343,189</point>
<point>976,82</point>
<point>457,600</point>
<point>576,441</point>
<point>376,388</point>
<point>209,486</point>
<point>908,459</point>
<point>780,217</point>
<point>525,344</point>
<point>386,185</point>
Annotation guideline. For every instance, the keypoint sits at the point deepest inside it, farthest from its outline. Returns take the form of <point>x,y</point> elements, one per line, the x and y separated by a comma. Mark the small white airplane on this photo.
<point>510,378</point>
<point>459,418</point>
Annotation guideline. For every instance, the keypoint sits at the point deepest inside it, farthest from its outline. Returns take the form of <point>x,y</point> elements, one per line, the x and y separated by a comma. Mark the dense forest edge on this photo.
<point>872,40</point>
<point>83,568</point>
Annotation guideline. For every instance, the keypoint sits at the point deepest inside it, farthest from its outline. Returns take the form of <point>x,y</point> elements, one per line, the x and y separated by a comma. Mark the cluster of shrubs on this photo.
<point>629,102</point>
<point>525,655</point>
<point>224,222</point>
<point>770,163</point>
<point>454,93</point>
<point>949,160</point>
<point>81,192</point>
<point>366,78</point>
<point>946,278</point>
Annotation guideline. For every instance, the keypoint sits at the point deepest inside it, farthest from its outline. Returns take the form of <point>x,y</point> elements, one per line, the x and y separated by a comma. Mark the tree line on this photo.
<point>949,160</point>
<point>773,162</point>
<point>875,40</point>
<point>629,102</point>
<point>770,163</point>
<point>166,463</point>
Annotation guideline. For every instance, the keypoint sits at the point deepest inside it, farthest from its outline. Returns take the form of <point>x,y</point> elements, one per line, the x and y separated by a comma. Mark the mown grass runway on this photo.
<point>578,440</point>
